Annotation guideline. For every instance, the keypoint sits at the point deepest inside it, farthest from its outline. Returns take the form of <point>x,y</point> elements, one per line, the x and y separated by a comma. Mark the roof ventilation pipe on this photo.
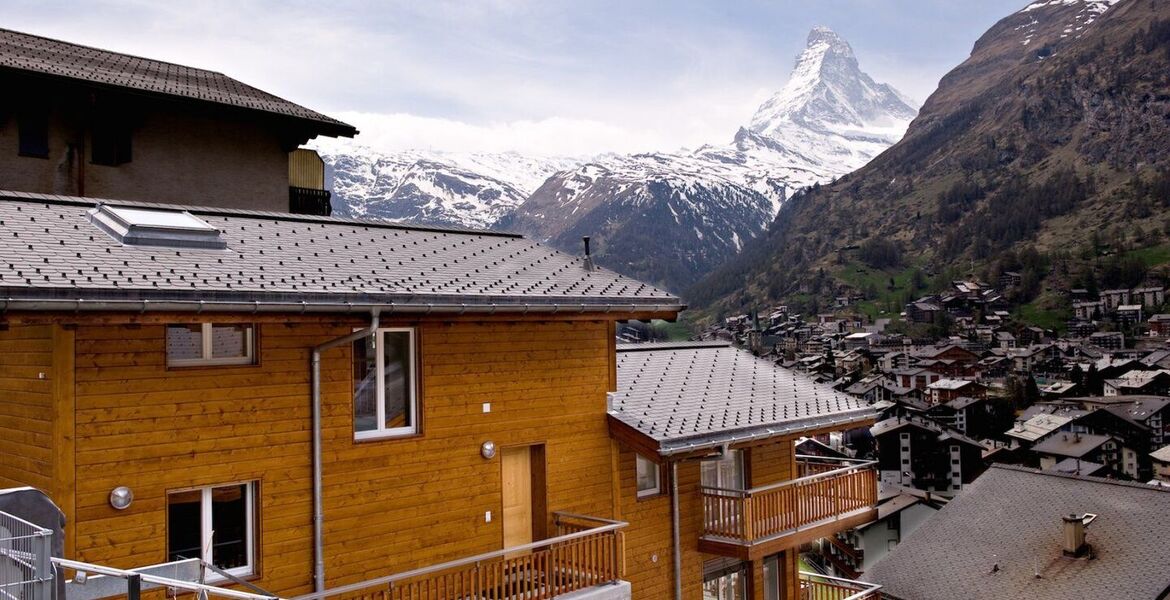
<point>1073,539</point>
<point>588,262</point>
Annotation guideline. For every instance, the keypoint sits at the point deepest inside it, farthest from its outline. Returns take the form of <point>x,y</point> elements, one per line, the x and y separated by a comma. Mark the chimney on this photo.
<point>1073,542</point>
<point>588,262</point>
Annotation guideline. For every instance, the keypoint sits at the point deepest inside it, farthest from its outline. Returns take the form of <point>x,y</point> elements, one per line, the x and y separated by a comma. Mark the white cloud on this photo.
<point>555,136</point>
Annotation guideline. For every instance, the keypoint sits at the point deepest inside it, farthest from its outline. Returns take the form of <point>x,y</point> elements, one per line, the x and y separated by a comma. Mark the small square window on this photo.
<point>110,142</point>
<point>649,477</point>
<point>205,344</point>
<point>216,524</point>
<point>385,402</point>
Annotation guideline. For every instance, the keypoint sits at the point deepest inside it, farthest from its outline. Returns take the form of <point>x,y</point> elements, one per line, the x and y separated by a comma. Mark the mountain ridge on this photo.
<point>1053,125</point>
<point>669,218</point>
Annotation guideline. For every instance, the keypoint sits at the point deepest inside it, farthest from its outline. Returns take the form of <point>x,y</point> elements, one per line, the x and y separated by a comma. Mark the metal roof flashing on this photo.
<point>163,228</point>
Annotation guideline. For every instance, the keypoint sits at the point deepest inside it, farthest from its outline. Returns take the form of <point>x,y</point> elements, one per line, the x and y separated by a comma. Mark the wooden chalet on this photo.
<point>710,432</point>
<point>259,381</point>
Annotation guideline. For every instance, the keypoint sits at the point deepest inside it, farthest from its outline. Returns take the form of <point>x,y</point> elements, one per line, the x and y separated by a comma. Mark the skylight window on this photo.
<point>152,227</point>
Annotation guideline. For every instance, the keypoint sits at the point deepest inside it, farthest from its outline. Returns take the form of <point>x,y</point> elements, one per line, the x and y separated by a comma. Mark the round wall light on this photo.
<point>121,497</point>
<point>488,449</point>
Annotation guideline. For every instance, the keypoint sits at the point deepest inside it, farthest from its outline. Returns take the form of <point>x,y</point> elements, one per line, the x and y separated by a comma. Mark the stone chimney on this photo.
<point>588,262</point>
<point>1073,542</point>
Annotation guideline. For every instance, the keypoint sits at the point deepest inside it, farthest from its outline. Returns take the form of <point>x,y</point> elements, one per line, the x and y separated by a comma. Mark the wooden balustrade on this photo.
<point>749,515</point>
<point>821,587</point>
<point>586,555</point>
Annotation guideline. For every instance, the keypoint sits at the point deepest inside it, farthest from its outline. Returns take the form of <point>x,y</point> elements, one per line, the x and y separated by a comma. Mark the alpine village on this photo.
<point>243,357</point>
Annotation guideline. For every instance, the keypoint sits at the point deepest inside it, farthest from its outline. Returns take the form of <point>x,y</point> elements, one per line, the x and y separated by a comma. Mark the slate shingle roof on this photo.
<point>1071,444</point>
<point>944,433</point>
<point>54,58</point>
<point>1010,517</point>
<point>49,250</point>
<point>701,394</point>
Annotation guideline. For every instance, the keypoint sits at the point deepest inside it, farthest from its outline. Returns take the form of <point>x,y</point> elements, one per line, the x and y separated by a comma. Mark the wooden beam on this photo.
<point>633,439</point>
<point>64,491</point>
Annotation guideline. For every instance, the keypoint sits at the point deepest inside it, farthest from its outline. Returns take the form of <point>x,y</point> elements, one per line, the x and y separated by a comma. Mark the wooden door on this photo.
<point>517,495</point>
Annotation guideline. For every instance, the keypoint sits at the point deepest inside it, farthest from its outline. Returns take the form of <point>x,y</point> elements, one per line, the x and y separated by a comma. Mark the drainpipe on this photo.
<point>675,547</point>
<point>315,386</point>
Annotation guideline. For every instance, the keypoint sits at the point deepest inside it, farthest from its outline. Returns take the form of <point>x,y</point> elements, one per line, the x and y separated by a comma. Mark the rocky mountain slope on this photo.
<point>1052,139</point>
<point>434,188</point>
<point>669,218</point>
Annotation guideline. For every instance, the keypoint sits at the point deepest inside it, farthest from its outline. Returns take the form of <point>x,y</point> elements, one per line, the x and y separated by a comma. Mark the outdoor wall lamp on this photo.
<point>121,497</point>
<point>488,449</point>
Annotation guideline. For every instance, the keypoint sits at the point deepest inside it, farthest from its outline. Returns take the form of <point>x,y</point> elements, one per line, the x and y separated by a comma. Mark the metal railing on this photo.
<point>26,572</point>
<point>773,510</point>
<point>586,554</point>
<point>814,586</point>
<point>91,581</point>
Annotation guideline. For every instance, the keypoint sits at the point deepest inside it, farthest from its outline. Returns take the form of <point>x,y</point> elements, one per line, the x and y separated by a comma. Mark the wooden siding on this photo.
<point>306,169</point>
<point>391,505</point>
<point>26,413</point>
<point>649,534</point>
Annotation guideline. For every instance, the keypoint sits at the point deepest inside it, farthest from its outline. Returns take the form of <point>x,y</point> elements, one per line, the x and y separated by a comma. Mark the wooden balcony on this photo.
<point>814,586</point>
<point>586,553</point>
<point>753,523</point>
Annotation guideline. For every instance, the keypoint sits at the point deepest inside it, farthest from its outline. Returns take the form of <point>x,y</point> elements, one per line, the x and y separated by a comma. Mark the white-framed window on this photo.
<point>203,344</point>
<point>385,399</point>
<point>216,524</point>
<point>649,477</point>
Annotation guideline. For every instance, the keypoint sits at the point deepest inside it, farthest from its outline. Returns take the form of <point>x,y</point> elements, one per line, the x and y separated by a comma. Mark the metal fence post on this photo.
<point>133,587</point>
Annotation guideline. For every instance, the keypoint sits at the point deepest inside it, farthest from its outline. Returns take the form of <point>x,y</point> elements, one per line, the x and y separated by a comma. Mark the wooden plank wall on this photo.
<point>394,505</point>
<point>156,429</point>
<point>391,505</point>
<point>649,534</point>
<point>26,409</point>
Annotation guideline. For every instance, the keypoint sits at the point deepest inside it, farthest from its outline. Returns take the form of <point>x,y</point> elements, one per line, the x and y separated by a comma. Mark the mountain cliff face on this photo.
<point>432,188</point>
<point>670,218</point>
<point>1056,127</point>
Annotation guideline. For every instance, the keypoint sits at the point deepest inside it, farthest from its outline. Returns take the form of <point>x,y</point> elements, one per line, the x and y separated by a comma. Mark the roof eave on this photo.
<point>674,447</point>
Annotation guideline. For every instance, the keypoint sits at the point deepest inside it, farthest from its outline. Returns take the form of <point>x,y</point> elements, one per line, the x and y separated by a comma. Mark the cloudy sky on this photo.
<point>551,77</point>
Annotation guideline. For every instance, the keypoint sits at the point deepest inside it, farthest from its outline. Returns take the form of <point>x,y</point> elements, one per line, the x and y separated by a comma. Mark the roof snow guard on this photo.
<point>60,253</point>
<point>141,227</point>
<point>685,397</point>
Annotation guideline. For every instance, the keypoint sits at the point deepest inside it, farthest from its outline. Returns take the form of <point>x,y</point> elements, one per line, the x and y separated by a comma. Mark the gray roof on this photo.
<point>944,433</point>
<point>1161,454</point>
<point>1071,444</point>
<point>1010,518</point>
<point>54,58</point>
<point>53,257</point>
<point>693,395</point>
<point>963,402</point>
<point>1076,466</point>
<point>1140,409</point>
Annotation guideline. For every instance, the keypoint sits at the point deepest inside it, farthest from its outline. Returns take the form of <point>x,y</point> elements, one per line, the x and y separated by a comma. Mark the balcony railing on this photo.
<point>814,586</point>
<point>749,516</point>
<point>309,201</point>
<point>585,553</point>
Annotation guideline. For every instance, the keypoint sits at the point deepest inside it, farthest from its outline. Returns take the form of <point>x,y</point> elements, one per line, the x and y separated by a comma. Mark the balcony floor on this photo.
<point>759,548</point>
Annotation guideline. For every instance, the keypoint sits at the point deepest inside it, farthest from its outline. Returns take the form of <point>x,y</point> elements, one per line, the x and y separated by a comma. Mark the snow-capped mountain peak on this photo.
<point>828,91</point>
